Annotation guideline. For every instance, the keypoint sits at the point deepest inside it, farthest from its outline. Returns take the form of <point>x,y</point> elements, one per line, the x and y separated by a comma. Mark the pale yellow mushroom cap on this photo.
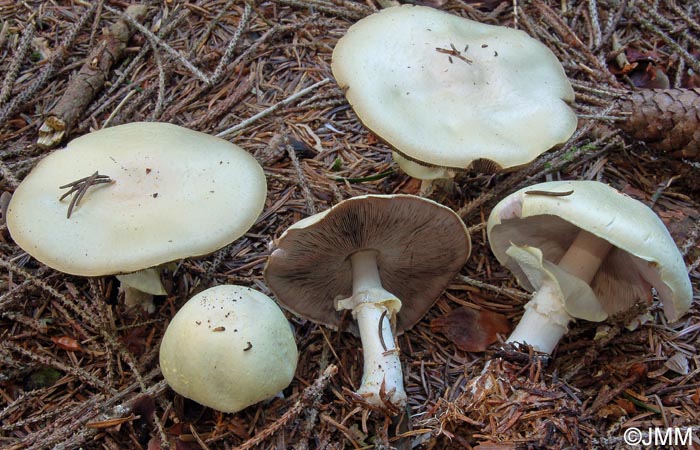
<point>447,91</point>
<point>176,193</point>
<point>539,228</point>
<point>227,348</point>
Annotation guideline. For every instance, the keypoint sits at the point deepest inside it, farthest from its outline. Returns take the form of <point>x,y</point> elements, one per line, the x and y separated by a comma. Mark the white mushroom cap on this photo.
<point>530,230</point>
<point>507,104</point>
<point>227,348</point>
<point>176,193</point>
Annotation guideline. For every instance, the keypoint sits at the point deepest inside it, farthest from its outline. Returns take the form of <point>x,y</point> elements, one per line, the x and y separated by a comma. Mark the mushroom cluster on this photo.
<point>449,94</point>
<point>144,194</point>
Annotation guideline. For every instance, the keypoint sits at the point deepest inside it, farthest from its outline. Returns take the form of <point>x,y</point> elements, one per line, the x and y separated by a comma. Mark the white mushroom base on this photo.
<point>374,308</point>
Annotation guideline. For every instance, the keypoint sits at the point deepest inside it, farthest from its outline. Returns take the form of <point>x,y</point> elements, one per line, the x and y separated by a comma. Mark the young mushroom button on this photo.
<point>139,196</point>
<point>589,252</point>
<point>451,94</point>
<point>227,348</point>
<point>386,259</point>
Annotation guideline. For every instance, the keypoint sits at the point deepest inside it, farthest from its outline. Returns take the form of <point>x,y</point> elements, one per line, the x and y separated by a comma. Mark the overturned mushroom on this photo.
<point>451,94</point>
<point>589,252</point>
<point>227,348</point>
<point>140,195</point>
<point>385,258</point>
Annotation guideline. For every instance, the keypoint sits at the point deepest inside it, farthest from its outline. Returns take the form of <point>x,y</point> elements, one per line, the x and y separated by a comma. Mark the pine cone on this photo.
<point>666,119</point>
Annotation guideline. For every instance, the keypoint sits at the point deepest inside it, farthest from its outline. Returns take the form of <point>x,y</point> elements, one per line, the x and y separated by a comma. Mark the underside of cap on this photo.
<point>445,91</point>
<point>644,254</point>
<point>420,246</point>
<point>175,193</point>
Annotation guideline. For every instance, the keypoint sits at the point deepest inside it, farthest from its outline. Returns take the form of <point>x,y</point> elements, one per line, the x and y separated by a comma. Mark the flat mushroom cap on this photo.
<point>176,193</point>
<point>420,246</point>
<point>227,348</point>
<point>450,92</point>
<point>643,256</point>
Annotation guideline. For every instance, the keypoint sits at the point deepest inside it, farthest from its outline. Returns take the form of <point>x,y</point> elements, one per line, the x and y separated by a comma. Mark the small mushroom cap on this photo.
<point>542,227</point>
<point>227,348</point>
<point>420,246</point>
<point>176,193</point>
<point>447,91</point>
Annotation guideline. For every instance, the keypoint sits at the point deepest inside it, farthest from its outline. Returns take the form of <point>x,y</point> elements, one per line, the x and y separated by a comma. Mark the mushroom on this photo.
<point>450,94</point>
<point>589,252</point>
<point>227,348</point>
<point>385,258</point>
<point>158,193</point>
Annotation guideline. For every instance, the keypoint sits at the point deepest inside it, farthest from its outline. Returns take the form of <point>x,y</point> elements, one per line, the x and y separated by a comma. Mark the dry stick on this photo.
<point>347,11</point>
<point>88,81</point>
<point>266,112</point>
<point>508,292</point>
<point>17,61</point>
<point>219,72</point>
<point>4,31</point>
<point>595,24</point>
<point>158,110</point>
<point>56,60</point>
<point>310,395</point>
<point>303,182</point>
<point>157,42</point>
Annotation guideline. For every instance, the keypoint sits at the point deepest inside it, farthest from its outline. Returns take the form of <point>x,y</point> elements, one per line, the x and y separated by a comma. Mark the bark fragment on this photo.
<point>88,81</point>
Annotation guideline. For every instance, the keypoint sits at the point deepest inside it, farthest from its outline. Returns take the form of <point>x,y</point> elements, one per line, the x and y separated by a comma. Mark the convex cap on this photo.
<point>447,92</point>
<point>175,193</point>
<point>420,246</point>
<point>227,348</point>
<point>538,224</point>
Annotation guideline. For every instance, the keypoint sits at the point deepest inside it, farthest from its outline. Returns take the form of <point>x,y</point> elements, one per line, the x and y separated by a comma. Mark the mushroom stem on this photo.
<point>546,320</point>
<point>374,308</point>
<point>140,287</point>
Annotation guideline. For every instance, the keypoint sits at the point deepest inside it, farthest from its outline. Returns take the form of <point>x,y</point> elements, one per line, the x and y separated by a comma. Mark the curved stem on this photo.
<point>374,308</point>
<point>546,320</point>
